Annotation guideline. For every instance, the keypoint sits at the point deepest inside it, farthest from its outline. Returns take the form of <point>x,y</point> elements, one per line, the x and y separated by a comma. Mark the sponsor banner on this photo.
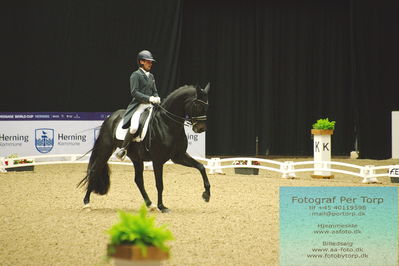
<point>40,133</point>
<point>196,142</point>
<point>394,171</point>
<point>29,138</point>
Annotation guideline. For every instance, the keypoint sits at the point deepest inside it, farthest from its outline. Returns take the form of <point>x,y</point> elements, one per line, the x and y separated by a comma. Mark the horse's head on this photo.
<point>197,108</point>
<point>187,103</point>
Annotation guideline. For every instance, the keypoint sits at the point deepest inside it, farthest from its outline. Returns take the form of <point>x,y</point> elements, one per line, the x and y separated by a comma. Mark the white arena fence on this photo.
<point>287,169</point>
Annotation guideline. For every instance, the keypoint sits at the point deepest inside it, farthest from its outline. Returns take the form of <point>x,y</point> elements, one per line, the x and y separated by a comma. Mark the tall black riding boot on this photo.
<point>121,154</point>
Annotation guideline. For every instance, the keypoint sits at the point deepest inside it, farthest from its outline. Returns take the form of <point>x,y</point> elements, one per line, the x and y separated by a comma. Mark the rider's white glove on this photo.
<point>155,100</point>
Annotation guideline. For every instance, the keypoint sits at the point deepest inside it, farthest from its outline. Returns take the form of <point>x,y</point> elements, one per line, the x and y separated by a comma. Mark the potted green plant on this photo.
<point>246,170</point>
<point>323,127</point>
<point>15,163</point>
<point>136,240</point>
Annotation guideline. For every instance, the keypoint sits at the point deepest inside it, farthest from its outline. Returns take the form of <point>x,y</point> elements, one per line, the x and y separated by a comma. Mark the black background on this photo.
<point>275,67</point>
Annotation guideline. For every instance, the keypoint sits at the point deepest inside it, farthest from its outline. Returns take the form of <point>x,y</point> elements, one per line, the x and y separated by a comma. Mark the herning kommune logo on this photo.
<point>44,139</point>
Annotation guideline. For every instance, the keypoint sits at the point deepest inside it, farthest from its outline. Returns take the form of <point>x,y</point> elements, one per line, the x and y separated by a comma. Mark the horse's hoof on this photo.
<point>164,210</point>
<point>87,207</point>
<point>206,196</point>
<point>152,207</point>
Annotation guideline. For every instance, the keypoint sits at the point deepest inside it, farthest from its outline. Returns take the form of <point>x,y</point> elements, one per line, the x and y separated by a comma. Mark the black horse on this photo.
<point>165,139</point>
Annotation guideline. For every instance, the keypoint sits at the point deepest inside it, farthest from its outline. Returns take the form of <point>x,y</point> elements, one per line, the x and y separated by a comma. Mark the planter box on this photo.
<point>322,131</point>
<point>323,176</point>
<point>130,253</point>
<point>394,179</point>
<point>246,171</point>
<point>21,168</point>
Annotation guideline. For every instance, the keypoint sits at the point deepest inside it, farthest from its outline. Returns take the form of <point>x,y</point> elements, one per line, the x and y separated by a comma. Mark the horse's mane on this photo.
<point>179,91</point>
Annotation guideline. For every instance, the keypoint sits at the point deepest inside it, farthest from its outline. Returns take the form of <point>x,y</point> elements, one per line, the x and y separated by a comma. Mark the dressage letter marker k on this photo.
<point>316,148</point>
<point>325,146</point>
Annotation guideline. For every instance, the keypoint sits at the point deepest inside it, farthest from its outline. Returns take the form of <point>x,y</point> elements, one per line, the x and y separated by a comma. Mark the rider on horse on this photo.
<point>144,93</point>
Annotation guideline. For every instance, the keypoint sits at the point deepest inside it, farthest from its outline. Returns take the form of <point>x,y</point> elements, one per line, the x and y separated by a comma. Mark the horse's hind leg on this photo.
<point>139,180</point>
<point>187,160</point>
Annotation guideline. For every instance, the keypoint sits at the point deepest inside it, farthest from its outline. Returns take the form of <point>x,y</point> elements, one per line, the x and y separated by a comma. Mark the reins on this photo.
<point>190,120</point>
<point>171,115</point>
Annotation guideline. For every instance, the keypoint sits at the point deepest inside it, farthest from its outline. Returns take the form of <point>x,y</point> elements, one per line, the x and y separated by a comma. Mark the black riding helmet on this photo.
<point>145,55</point>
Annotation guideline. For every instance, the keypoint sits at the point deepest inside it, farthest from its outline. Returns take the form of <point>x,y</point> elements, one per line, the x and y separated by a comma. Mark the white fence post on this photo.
<point>214,166</point>
<point>148,166</point>
<point>369,175</point>
<point>395,135</point>
<point>286,167</point>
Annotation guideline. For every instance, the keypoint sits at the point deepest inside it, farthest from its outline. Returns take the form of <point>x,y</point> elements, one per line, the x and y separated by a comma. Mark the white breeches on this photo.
<point>134,122</point>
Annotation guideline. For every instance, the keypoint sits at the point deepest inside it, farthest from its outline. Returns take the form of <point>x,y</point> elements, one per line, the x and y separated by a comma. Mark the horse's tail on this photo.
<point>97,179</point>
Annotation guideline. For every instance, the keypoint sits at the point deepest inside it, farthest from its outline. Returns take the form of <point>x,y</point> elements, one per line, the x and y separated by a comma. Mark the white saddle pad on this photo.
<point>121,132</point>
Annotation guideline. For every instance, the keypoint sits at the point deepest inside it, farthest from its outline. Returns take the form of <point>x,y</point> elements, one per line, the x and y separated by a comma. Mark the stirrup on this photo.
<point>121,154</point>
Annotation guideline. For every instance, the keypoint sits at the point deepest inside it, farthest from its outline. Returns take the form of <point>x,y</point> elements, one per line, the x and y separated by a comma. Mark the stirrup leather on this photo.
<point>121,154</point>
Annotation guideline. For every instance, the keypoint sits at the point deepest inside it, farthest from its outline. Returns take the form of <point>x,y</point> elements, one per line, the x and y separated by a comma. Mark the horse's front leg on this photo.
<point>158,171</point>
<point>138,179</point>
<point>187,160</point>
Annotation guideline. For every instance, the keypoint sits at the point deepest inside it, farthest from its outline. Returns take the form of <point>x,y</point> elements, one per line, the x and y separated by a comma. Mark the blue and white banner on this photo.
<point>45,133</point>
<point>40,133</point>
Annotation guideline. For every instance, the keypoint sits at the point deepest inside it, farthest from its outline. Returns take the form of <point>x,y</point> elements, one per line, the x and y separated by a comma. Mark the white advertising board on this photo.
<point>196,143</point>
<point>30,134</point>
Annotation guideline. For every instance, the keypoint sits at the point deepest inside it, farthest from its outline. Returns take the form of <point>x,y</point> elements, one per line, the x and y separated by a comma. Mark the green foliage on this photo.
<point>139,230</point>
<point>324,124</point>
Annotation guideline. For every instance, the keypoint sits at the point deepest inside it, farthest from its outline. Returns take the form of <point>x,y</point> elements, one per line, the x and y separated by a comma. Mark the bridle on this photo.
<point>196,119</point>
<point>190,120</point>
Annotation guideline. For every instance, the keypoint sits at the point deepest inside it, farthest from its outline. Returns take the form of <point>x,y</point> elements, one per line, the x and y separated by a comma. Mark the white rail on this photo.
<point>288,169</point>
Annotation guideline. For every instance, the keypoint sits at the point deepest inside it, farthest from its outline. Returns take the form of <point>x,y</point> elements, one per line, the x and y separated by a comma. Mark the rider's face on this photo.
<point>146,64</point>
